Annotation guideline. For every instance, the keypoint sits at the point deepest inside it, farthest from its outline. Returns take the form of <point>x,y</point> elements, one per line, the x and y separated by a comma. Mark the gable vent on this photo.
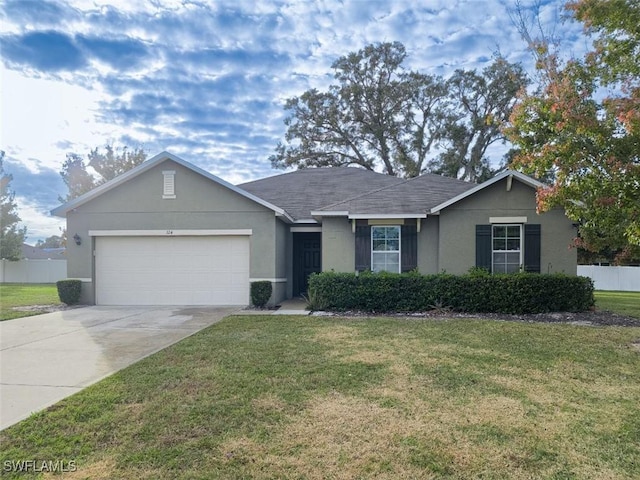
<point>169,185</point>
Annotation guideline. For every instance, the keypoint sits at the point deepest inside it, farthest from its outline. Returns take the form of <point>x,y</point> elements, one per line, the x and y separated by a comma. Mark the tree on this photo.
<point>11,237</point>
<point>379,116</point>
<point>76,177</point>
<point>481,104</point>
<point>81,177</point>
<point>354,122</point>
<point>425,113</point>
<point>588,141</point>
<point>54,241</point>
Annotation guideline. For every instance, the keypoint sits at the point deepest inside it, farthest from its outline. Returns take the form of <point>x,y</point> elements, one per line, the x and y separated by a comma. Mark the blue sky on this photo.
<point>207,80</point>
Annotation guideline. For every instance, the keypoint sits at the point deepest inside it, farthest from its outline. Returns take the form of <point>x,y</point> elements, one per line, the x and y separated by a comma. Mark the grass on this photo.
<point>21,295</point>
<point>313,397</point>
<point>623,303</point>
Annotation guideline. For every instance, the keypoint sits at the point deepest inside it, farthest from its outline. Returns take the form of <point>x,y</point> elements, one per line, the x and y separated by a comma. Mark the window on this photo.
<point>530,251</point>
<point>408,247</point>
<point>385,249</point>
<point>507,248</point>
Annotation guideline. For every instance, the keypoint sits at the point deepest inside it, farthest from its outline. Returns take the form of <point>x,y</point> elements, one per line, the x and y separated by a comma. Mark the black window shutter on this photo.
<point>483,246</point>
<point>363,248</point>
<point>409,248</point>
<point>532,246</point>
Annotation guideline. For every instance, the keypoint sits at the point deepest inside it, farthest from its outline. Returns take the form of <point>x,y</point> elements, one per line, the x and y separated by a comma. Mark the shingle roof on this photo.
<point>412,196</point>
<point>33,253</point>
<point>303,191</point>
<point>355,190</point>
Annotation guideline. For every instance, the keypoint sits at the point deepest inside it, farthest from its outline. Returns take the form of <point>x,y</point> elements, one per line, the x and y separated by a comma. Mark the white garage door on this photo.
<point>200,270</point>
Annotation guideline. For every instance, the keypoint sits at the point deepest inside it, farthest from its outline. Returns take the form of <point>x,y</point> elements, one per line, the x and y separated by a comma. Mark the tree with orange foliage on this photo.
<point>581,128</point>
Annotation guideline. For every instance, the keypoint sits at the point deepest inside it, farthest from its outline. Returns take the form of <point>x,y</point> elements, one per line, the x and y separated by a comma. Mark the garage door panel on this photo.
<point>172,270</point>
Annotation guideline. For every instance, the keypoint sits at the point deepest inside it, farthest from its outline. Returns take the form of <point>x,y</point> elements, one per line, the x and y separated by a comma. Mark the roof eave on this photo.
<point>364,216</point>
<point>385,216</point>
<point>302,221</point>
<point>285,216</point>
<point>502,175</point>
<point>328,213</point>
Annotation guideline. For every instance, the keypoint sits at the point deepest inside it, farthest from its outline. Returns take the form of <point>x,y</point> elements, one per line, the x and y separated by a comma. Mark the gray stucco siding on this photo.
<point>194,193</point>
<point>200,204</point>
<point>282,263</point>
<point>282,238</point>
<point>428,245</point>
<point>338,245</point>
<point>263,241</point>
<point>558,255</point>
<point>457,228</point>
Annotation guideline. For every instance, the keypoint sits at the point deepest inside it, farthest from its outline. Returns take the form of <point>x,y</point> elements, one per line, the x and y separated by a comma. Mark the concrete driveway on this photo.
<point>46,358</point>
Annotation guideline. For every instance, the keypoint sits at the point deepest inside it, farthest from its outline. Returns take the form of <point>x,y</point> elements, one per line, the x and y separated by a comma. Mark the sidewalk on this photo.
<point>293,306</point>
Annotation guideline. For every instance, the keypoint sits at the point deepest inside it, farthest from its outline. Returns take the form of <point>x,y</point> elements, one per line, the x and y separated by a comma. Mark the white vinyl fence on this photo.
<point>33,271</point>
<point>612,278</point>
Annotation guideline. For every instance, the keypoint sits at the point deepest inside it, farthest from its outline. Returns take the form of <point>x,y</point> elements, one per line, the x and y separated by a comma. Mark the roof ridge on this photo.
<point>370,192</point>
<point>439,175</point>
<point>406,180</point>
<point>308,169</point>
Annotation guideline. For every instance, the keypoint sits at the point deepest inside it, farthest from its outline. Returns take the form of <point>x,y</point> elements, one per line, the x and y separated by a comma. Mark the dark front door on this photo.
<point>306,260</point>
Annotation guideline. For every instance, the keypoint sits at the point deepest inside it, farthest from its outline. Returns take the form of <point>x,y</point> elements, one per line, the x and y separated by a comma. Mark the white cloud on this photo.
<point>213,75</point>
<point>39,222</point>
<point>39,113</point>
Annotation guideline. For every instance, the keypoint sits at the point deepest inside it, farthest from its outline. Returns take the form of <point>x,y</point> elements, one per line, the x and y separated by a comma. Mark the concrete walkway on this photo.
<point>46,358</point>
<point>293,306</point>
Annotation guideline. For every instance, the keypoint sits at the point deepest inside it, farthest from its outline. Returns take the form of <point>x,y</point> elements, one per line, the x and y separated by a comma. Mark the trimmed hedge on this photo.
<point>473,293</point>
<point>260,293</point>
<point>69,291</point>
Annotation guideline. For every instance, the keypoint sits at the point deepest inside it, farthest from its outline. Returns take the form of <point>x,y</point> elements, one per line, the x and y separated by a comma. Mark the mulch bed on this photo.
<point>598,317</point>
<point>593,318</point>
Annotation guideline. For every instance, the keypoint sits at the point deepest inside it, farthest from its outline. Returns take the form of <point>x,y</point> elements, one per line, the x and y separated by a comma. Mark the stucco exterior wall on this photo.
<point>456,251</point>
<point>338,245</point>
<point>282,264</point>
<point>199,204</point>
<point>428,245</point>
<point>289,272</point>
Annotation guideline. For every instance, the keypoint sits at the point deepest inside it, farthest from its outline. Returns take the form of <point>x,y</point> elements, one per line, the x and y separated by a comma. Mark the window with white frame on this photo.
<point>507,248</point>
<point>385,249</point>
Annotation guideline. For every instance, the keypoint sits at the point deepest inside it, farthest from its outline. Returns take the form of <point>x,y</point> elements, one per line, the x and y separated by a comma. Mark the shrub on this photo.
<point>475,292</point>
<point>69,291</point>
<point>314,300</point>
<point>478,272</point>
<point>260,293</point>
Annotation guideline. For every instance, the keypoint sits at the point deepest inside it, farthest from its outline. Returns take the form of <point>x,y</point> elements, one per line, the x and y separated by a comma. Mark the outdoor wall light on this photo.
<point>77,239</point>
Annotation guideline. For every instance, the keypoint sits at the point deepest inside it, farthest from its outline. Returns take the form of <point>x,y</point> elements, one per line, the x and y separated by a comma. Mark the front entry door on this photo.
<point>307,260</point>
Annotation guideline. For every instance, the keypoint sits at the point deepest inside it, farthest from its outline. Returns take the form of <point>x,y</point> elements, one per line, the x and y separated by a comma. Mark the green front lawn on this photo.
<point>623,303</point>
<point>313,397</point>
<point>25,294</point>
